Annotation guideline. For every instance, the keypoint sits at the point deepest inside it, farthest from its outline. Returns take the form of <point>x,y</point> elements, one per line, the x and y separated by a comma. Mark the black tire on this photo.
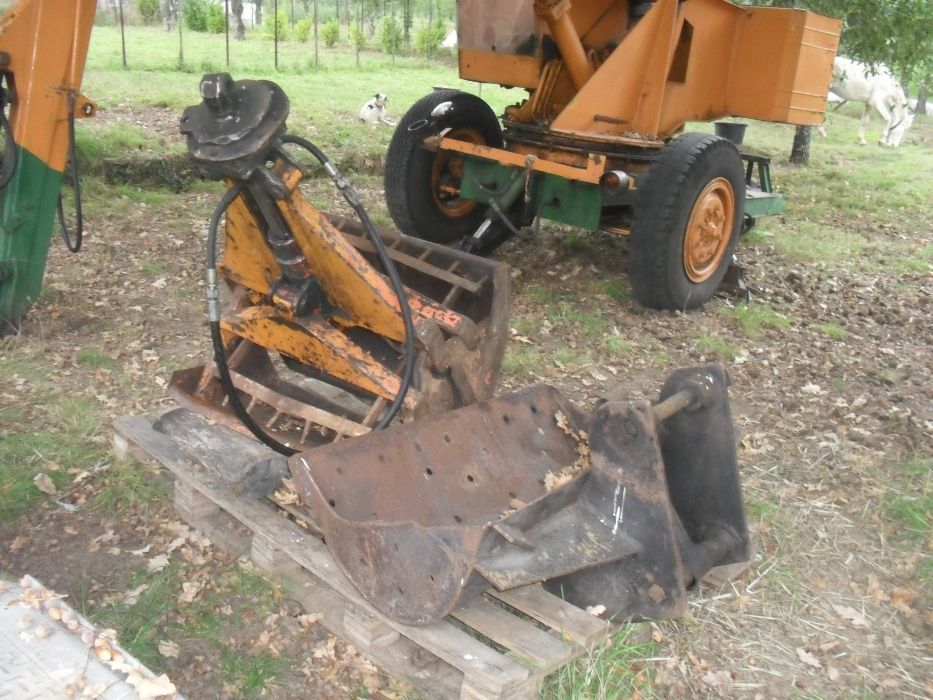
<point>410,178</point>
<point>662,275</point>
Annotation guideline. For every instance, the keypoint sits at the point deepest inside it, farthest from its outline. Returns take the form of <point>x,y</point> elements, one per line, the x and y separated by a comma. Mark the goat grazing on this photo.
<point>856,82</point>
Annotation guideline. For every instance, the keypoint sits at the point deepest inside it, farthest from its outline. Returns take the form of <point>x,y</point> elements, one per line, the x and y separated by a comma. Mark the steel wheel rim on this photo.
<point>709,230</point>
<point>447,174</point>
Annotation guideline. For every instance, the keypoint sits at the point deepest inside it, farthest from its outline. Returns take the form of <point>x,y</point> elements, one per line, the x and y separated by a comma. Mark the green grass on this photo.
<point>618,346</point>
<point>58,445</point>
<point>715,345</point>
<point>907,507</point>
<point>249,673</point>
<point>616,290</point>
<point>753,319</point>
<point>523,361</point>
<point>137,624</point>
<point>128,483</point>
<point>614,669</point>
<point>834,331</point>
<point>95,141</point>
<point>93,357</point>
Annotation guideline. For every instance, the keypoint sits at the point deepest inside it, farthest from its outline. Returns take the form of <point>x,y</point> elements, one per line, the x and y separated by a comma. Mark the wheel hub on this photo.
<point>447,174</point>
<point>707,236</point>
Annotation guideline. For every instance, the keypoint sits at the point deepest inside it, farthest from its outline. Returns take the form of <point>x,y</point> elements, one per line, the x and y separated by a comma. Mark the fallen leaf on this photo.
<point>852,615</point>
<point>189,591</point>
<point>169,649</point>
<point>44,483</point>
<point>156,687</point>
<point>596,609</point>
<point>808,658</point>
<point>157,563</point>
<point>141,551</point>
<point>132,597</point>
<point>901,599</point>
<point>309,619</point>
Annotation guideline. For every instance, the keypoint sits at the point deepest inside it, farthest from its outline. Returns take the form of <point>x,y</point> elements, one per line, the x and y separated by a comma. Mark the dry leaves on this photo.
<point>287,495</point>
<point>851,615</point>
<point>808,658</point>
<point>44,483</point>
<point>553,480</point>
<point>168,649</point>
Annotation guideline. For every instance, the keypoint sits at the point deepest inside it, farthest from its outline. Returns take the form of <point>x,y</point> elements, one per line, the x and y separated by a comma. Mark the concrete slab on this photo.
<point>47,650</point>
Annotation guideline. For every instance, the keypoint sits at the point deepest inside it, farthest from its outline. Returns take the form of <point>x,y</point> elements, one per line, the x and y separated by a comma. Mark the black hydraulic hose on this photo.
<point>9,153</point>
<point>213,312</point>
<point>346,189</point>
<point>74,245</point>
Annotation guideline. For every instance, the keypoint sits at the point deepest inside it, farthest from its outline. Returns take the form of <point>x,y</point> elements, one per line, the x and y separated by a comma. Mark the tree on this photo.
<point>240,30</point>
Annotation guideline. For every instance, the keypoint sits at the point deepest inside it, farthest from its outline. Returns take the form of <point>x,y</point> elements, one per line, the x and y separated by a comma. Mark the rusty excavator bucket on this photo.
<point>625,510</point>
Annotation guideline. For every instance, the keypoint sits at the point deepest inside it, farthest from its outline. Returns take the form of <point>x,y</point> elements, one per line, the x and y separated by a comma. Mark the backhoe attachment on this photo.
<point>313,330</point>
<point>625,510</point>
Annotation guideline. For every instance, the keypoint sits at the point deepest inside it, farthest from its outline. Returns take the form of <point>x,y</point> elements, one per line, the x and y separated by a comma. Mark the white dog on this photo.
<point>374,111</point>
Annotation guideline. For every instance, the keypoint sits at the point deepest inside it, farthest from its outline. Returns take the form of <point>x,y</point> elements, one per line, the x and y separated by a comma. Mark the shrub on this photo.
<point>194,12</point>
<point>390,35</point>
<point>330,33</point>
<point>216,21</point>
<point>357,38</point>
<point>429,37</point>
<point>148,10</point>
<point>270,20</point>
<point>302,29</point>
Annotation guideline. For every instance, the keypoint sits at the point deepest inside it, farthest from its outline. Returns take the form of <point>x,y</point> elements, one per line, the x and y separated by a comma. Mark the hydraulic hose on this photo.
<point>213,313</point>
<point>74,245</point>
<point>349,194</point>
<point>10,155</point>
<point>213,300</point>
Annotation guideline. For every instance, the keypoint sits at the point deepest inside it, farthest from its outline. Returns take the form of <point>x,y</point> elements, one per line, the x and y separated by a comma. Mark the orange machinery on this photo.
<point>598,142</point>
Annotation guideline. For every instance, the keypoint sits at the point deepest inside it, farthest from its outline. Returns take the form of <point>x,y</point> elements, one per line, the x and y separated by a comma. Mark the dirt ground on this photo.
<point>832,401</point>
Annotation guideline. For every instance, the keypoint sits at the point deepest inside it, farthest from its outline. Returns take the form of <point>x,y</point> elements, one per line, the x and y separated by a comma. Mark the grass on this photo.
<point>907,506</point>
<point>94,357</point>
<point>59,447</point>
<point>833,331</point>
<point>715,345</point>
<point>523,361</point>
<point>128,483</point>
<point>137,623</point>
<point>753,319</point>
<point>249,673</point>
<point>614,669</point>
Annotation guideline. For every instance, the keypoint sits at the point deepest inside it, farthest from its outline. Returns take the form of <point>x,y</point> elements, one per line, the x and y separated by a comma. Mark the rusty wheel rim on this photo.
<point>709,230</point>
<point>447,174</point>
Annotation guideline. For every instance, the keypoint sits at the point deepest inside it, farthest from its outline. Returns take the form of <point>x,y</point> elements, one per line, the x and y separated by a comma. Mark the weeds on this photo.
<point>833,331</point>
<point>753,319</point>
<point>614,669</point>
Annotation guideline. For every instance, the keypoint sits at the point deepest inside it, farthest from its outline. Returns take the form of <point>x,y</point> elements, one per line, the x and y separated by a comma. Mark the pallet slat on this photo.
<point>569,620</point>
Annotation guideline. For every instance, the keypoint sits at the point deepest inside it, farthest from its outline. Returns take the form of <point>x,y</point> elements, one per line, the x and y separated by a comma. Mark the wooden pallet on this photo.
<point>538,631</point>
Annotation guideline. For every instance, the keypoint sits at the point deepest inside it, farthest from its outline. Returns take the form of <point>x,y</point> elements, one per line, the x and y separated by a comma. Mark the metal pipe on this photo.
<point>557,15</point>
<point>673,404</point>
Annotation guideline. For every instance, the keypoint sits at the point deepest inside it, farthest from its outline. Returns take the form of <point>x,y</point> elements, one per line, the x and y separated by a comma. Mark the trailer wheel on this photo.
<point>423,187</point>
<point>687,220</point>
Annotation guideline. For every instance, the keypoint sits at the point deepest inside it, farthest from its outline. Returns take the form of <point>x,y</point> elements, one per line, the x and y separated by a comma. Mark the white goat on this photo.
<point>856,82</point>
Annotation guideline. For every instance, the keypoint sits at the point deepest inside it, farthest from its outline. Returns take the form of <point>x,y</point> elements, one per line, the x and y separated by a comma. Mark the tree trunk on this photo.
<point>258,17</point>
<point>168,14</point>
<point>922,100</point>
<point>236,6</point>
<point>800,151</point>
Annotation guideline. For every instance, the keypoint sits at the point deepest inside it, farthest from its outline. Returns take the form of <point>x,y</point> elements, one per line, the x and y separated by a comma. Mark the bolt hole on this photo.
<point>512,494</point>
<point>340,470</point>
<point>362,561</point>
<point>448,439</point>
<point>534,409</point>
<point>331,503</point>
<point>382,458</point>
<point>418,447</point>
<point>400,591</point>
<point>470,478</point>
<point>506,419</point>
<point>395,546</point>
<point>429,471</point>
<point>458,519</point>
<point>431,578</point>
